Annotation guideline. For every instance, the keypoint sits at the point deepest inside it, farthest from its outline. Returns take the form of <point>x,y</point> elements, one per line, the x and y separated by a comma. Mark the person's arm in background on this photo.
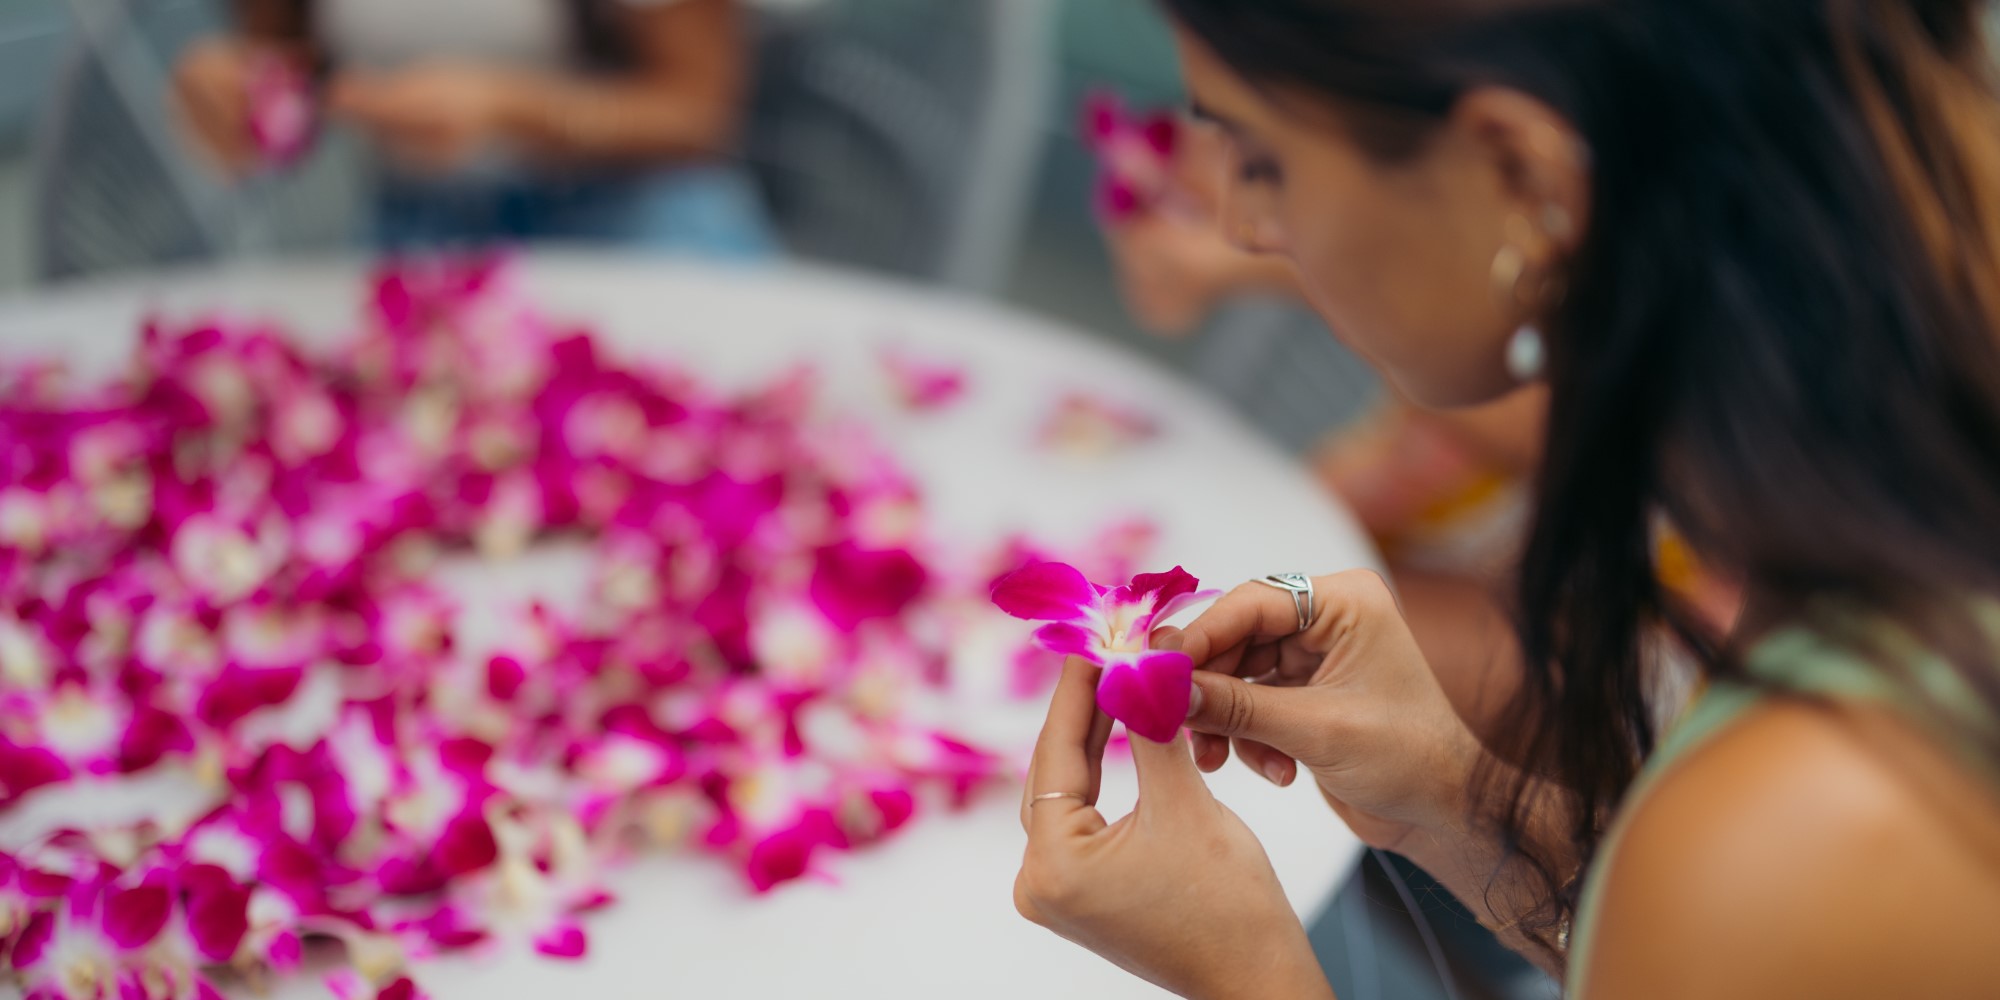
<point>211,81</point>
<point>681,99</point>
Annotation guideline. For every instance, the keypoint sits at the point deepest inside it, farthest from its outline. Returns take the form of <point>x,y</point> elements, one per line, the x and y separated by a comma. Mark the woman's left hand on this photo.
<point>1179,893</point>
<point>434,116</point>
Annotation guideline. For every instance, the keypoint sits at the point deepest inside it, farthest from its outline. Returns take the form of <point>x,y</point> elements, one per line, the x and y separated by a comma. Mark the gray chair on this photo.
<point>114,187</point>
<point>903,134</point>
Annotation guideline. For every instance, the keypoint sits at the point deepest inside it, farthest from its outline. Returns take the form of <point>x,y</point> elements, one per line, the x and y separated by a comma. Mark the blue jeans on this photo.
<point>709,210</point>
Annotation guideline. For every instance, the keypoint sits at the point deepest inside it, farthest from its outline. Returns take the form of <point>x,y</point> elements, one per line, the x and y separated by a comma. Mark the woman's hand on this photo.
<point>434,116</point>
<point>1174,261</point>
<point>212,96</point>
<point>1350,697</point>
<point>1179,893</point>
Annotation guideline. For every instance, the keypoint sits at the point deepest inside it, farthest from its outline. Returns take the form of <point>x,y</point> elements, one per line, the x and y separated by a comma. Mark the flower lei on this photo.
<point>215,568</point>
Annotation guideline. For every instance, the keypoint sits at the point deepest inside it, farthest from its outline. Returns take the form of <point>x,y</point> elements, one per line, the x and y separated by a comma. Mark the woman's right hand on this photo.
<point>1351,698</point>
<point>1174,262</point>
<point>212,94</point>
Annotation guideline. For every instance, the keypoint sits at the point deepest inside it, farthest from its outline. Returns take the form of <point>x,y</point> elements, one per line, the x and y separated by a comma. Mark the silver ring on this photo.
<point>1052,796</point>
<point>1300,586</point>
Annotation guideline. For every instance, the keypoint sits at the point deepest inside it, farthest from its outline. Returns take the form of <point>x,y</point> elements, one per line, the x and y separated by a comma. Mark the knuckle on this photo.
<point>1043,887</point>
<point>1024,901</point>
<point>1239,710</point>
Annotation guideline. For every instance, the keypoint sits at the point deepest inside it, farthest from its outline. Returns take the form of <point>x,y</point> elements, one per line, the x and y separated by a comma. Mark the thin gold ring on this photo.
<point>1047,796</point>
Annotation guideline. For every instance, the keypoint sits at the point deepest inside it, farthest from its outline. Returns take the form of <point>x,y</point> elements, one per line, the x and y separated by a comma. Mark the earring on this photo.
<point>1526,354</point>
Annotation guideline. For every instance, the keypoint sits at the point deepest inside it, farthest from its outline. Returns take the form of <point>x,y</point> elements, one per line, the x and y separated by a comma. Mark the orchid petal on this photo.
<point>133,917</point>
<point>1050,592</point>
<point>564,941</point>
<point>1149,693</point>
<point>1070,640</point>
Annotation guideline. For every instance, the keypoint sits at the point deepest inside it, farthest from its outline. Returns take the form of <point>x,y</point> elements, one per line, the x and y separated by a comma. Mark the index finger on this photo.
<point>1063,757</point>
<point>1250,614</point>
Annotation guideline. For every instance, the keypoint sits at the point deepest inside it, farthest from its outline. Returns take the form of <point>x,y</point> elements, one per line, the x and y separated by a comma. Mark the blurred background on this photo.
<point>873,125</point>
<point>935,141</point>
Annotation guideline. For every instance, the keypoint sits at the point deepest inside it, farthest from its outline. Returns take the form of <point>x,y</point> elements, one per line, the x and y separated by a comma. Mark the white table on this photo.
<point>930,915</point>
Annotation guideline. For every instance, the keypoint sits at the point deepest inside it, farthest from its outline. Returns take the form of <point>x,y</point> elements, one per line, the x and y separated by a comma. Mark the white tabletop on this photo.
<point>930,914</point>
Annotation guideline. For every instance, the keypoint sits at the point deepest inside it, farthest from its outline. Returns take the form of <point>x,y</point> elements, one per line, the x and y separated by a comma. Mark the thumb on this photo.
<point>1167,773</point>
<point>1282,718</point>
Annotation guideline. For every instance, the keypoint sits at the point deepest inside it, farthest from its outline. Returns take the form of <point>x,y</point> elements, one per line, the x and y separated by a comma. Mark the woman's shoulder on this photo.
<point>1809,848</point>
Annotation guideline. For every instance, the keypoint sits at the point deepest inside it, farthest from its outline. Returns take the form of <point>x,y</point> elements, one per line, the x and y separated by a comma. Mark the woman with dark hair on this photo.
<point>1752,247</point>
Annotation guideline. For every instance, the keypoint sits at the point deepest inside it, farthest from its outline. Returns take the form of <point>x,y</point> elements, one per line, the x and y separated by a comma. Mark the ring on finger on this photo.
<point>1300,587</point>
<point>1051,796</point>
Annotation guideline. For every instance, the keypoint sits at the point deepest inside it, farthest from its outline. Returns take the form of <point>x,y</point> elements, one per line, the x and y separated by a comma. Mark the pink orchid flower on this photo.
<point>283,120</point>
<point>922,386</point>
<point>1135,155</point>
<point>1087,425</point>
<point>1144,688</point>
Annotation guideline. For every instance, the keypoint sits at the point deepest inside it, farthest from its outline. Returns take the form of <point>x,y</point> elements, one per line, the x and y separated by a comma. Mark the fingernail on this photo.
<point>1194,701</point>
<point>1171,642</point>
<point>1273,771</point>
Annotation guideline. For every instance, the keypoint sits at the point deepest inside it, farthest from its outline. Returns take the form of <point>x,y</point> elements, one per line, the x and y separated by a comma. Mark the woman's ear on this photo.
<point>1540,164</point>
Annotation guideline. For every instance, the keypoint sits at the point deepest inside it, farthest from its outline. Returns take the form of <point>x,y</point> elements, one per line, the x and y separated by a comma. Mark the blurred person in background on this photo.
<point>507,120</point>
<point>1753,254</point>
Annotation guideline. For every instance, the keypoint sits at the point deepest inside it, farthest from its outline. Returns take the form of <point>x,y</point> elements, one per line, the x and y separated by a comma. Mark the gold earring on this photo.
<point>1510,265</point>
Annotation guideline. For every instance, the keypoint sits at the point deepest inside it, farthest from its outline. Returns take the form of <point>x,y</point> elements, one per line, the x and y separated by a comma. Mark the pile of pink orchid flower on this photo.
<point>216,566</point>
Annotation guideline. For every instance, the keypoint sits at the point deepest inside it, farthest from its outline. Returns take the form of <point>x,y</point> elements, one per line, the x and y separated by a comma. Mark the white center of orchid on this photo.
<point>219,558</point>
<point>1118,621</point>
<point>78,725</point>
<point>793,645</point>
<point>125,501</point>
<point>307,426</point>
<point>622,763</point>
<point>24,521</point>
<point>24,663</point>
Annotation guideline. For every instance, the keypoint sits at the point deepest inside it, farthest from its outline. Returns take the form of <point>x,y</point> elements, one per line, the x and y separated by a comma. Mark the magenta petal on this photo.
<point>1069,640</point>
<point>23,769</point>
<point>1149,694</point>
<point>151,735</point>
<point>1118,200</point>
<point>466,845</point>
<point>1044,592</point>
<point>133,917</point>
<point>218,912</point>
<point>403,988</point>
<point>565,941</point>
<point>851,585</point>
<point>1103,116</point>
<point>1162,133</point>
<point>34,939</point>
<point>1163,587</point>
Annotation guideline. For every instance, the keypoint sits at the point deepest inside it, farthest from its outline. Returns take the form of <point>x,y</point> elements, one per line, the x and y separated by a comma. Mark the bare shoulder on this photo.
<point>1806,851</point>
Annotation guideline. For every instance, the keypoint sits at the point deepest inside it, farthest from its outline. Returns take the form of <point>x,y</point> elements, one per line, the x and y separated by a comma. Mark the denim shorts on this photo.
<point>707,210</point>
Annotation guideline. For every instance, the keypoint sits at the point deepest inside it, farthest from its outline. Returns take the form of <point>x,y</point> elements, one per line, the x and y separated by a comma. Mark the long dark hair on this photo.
<point>1780,332</point>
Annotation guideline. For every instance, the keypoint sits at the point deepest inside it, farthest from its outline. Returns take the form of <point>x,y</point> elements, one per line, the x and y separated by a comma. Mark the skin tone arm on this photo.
<point>1808,851</point>
<point>682,99</point>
